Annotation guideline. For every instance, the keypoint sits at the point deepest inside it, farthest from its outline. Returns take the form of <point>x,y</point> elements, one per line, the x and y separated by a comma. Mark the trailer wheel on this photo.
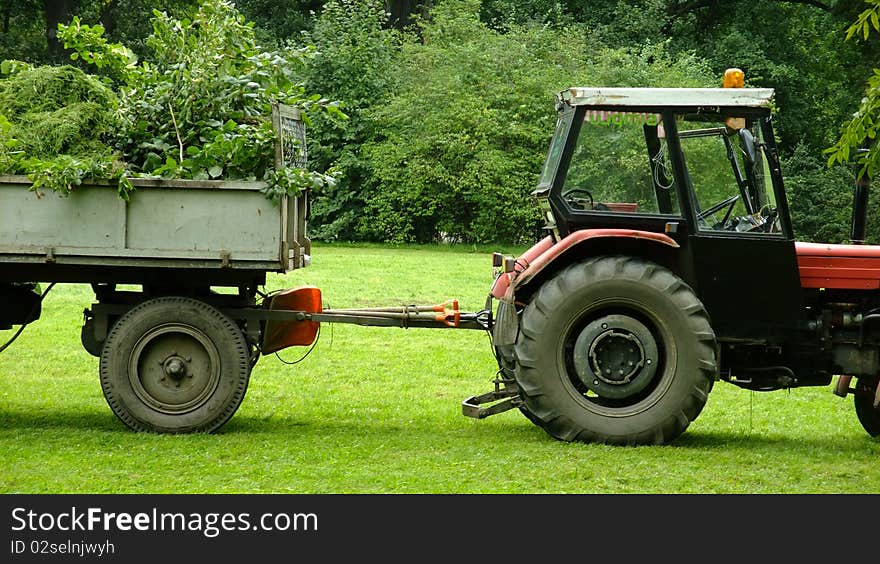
<point>615,350</point>
<point>869,416</point>
<point>174,365</point>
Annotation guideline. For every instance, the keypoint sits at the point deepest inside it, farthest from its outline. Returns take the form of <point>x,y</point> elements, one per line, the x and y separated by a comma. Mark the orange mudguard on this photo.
<point>282,334</point>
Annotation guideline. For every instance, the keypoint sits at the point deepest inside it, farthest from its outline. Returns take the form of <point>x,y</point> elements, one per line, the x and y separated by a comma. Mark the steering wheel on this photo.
<point>765,221</point>
<point>770,223</point>
<point>729,203</point>
<point>578,197</point>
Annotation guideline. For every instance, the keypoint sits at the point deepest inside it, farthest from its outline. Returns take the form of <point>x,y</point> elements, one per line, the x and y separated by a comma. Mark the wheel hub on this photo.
<point>174,368</point>
<point>615,356</point>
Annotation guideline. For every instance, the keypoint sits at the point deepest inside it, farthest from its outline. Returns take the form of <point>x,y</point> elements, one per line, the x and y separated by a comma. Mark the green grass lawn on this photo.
<point>378,410</point>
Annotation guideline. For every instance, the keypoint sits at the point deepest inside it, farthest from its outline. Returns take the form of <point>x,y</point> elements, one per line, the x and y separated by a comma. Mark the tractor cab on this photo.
<point>695,165</point>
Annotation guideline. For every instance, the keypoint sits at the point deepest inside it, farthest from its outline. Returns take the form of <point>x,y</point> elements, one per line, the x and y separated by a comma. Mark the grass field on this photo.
<point>377,410</point>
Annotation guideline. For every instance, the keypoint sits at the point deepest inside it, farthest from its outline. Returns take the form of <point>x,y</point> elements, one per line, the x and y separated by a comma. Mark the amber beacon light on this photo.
<point>734,78</point>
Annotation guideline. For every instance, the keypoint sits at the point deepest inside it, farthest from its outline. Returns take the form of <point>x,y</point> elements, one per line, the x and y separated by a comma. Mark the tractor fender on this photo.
<point>541,255</point>
<point>531,263</point>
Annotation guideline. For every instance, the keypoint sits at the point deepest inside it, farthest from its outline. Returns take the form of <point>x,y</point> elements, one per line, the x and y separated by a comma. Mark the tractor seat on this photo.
<point>619,206</point>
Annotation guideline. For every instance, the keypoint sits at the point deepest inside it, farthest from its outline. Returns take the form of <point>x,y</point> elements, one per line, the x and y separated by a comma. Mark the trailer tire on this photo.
<point>615,350</point>
<point>863,398</point>
<point>174,365</point>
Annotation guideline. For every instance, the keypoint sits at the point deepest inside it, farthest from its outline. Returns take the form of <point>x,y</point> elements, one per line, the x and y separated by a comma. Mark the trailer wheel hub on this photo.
<point>174,368</point>
<point>615,356</point>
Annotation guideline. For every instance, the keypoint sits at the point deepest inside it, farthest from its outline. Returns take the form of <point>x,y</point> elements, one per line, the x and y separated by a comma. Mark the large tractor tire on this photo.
<point>174,365</point>
<point>869,416</point>
<point>507,362</point>
<point>615,350</point>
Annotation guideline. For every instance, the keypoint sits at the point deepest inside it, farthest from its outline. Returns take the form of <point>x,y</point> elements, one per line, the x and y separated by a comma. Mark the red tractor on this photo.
<point>670,263</point>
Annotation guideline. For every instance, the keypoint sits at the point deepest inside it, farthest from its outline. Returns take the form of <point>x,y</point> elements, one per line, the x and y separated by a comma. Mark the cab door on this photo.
<point>741,241</point>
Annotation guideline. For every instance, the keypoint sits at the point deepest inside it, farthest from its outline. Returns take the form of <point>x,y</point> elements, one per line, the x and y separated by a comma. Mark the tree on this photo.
<point>458,147</point>
<point>29,28</point>
<point>57,12</point>
<point>280,21</point>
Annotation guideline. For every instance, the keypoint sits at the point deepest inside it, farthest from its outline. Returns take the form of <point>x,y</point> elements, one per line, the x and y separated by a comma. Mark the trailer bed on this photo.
<point>219,226</point>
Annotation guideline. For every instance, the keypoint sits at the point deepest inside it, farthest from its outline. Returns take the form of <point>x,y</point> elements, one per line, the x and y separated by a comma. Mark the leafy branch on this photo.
<point>199,107</point>
<point>861,131</point>
<point>865,21</point>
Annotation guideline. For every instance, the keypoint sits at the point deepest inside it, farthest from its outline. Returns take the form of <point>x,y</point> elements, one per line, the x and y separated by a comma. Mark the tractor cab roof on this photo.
<point>672,98</point>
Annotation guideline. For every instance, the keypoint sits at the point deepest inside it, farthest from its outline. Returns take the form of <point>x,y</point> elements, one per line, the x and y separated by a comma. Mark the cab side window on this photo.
<point>621,165</point>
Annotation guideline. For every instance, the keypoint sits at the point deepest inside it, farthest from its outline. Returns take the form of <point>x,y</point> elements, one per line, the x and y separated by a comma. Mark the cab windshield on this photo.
<point>621,164</point>
<point>554,154</point>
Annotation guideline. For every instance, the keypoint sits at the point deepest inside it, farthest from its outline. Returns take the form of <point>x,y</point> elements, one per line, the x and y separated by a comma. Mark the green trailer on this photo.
<point>177,320</point>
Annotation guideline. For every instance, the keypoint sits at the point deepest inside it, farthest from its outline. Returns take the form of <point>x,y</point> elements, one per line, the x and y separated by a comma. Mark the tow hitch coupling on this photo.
<point>506,394</point>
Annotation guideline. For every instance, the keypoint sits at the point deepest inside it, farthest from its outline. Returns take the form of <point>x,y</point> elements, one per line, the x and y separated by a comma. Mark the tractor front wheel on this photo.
<point>615,350</point>
<point>869,416</point>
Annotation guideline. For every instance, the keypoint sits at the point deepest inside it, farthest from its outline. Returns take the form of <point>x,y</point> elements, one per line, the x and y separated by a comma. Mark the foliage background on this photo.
<point>450,102</point>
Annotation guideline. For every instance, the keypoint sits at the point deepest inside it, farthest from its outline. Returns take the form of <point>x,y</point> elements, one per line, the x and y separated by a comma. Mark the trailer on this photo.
<point>178,321</point>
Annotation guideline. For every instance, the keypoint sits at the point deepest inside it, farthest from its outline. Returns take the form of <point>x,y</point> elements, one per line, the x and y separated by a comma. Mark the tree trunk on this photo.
<point>7,13</point>
<point>402,11</point>
<point>57,11</point>
<point>108,16</point>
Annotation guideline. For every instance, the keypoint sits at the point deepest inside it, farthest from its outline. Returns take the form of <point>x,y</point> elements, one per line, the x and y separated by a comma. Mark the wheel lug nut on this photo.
<point>649,361</point>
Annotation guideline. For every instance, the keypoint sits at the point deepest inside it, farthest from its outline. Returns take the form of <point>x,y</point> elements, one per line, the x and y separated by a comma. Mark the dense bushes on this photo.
<point>452,148</point>
<point>356,61</point>
<point>821,199</point>
<point>198,107</point>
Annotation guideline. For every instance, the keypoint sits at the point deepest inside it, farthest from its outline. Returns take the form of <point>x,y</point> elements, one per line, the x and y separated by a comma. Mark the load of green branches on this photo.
<point>198,108</point>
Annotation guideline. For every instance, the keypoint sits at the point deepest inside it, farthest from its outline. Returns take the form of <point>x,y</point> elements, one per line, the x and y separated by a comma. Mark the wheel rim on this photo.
<point>615,356</point>
<point>174,368</point>
<point>596,355</point>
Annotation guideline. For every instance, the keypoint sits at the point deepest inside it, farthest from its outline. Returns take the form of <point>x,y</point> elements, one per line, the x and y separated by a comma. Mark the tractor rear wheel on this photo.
<point>174,365</point>
<point>615,350</point>
<point>869,416</point>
